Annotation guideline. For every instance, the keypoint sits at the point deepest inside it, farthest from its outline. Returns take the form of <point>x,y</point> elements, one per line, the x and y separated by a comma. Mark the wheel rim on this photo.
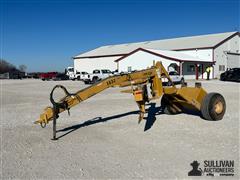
<point>218,107</point>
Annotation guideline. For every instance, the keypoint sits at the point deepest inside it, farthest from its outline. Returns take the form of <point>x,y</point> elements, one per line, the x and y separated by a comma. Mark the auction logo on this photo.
<point>195,171</point>
<point>212,168</point>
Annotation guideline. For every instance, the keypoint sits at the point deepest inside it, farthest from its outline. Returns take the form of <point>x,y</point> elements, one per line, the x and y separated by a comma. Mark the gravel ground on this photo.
<point>102,139</point>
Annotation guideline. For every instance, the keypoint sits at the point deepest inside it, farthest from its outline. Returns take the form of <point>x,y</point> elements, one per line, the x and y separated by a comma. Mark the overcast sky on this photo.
<point>44,35</point>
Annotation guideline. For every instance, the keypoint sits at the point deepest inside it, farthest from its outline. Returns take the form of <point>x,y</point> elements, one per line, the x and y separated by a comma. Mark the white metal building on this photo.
<point>171,60</point>
<point>221,49</point>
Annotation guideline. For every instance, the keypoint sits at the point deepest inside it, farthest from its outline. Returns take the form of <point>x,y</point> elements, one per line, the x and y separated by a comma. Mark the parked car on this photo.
<point>34,75</point>
<point>15,74</point>
<point>81,75</point>
<point>70,72</point>
<point>231,75</point>
<point>175,77</point>
<point>48,75</point>
<point>115,72</point>
<point>97,75</point>
<point>73,74</point>
<point>61,76</point>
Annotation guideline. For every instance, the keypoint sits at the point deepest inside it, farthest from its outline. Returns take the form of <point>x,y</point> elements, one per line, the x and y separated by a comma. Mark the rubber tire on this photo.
<point>207,107</point>
<point>223,79</point>
<point>166,106</point>
<point>94,80</point>
<point>169,83</point>
<point>182,81</point>
<point>78,78</point>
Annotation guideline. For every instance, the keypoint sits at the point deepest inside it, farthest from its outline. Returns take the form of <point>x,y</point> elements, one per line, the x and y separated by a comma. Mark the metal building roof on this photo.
<point>193,42</point>
<point>171,55</point>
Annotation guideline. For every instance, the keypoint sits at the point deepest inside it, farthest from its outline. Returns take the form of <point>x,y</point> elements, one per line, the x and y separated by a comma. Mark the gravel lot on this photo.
<point>102,139</point>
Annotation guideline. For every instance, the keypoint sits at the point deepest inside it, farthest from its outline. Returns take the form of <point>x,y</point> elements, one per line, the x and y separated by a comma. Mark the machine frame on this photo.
<point>174,100</point>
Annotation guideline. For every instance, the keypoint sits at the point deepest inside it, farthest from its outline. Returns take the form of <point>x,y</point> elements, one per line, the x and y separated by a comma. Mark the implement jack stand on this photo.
<point>54,124</point>
<point>54,129</point>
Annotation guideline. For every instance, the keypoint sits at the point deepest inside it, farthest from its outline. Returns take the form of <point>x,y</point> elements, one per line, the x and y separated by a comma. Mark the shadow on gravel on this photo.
<point>92,122</point>
<point>150,119</point>
<point>152,111</point>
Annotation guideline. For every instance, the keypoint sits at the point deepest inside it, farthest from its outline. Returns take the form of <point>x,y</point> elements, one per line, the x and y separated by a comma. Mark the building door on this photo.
<point>233,60</point>
<point>129,69</point>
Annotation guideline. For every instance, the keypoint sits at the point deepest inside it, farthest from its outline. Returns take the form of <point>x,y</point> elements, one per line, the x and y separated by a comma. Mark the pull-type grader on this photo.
<point>174,100</point>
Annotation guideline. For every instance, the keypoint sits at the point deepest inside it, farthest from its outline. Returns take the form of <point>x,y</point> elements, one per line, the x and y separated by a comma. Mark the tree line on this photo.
<point>5,66</point>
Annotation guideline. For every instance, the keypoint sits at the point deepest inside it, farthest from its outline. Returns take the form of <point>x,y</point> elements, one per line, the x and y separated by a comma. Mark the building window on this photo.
<point>129,68</point>
<point>221,67</point>
<point>190,68</point>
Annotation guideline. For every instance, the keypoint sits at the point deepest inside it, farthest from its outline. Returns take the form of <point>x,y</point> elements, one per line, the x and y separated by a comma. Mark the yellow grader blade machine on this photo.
<point>174,100</point>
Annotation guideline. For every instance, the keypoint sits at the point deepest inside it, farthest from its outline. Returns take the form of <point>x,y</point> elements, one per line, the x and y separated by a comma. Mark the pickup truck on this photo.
<point>48,76</point>
<point>75,75</point>
<point>97,75</point>
<point>81,75</point>
<point>60,76</point>
<point>175,77</point>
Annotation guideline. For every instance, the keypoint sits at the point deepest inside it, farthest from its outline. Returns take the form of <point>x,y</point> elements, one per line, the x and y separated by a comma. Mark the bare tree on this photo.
<point>6,66</point>
<point>22,68</point>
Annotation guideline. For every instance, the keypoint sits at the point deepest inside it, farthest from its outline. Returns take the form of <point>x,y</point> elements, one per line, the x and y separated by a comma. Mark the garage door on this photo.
<point>233,60</point>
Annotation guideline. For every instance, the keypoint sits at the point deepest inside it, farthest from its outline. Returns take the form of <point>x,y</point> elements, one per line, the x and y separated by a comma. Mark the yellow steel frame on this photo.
<point>184,96</point>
